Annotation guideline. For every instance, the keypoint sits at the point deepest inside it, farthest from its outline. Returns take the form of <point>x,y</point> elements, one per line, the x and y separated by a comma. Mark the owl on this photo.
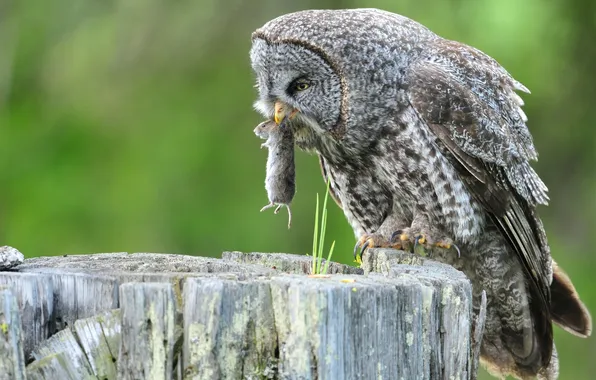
<point>424,141</point>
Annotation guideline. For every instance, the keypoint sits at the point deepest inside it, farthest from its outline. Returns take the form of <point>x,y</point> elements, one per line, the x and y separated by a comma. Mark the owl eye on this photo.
<point>299,85</point>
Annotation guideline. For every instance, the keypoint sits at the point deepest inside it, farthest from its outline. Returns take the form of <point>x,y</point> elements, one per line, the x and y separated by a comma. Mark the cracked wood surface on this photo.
<point>246,316</point>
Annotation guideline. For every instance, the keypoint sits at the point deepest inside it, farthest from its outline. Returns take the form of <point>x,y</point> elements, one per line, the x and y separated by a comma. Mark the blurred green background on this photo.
<point>126,125</point>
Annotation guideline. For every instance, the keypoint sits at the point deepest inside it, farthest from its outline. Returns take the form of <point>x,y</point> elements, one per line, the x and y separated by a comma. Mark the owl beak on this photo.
<point>280,112</point>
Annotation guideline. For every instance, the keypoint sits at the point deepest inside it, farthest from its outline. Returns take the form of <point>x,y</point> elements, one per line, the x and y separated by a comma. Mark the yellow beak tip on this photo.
<point>280,112</point>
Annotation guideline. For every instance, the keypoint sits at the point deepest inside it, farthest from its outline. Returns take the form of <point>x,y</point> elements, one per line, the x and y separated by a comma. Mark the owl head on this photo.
<point>332,70</point>
<point>296,81</point>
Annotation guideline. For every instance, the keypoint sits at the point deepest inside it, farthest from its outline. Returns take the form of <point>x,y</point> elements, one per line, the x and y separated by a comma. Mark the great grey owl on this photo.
<point>424,141</point>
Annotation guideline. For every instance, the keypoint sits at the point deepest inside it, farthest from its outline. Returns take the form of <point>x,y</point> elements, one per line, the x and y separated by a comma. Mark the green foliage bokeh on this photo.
<point>126,125</point>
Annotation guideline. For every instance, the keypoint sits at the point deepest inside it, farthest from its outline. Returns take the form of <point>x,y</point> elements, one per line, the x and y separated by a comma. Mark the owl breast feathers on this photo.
<point>426,136</point>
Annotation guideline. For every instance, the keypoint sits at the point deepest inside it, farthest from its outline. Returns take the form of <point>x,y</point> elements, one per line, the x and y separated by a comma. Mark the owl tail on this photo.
<point>567,310</point>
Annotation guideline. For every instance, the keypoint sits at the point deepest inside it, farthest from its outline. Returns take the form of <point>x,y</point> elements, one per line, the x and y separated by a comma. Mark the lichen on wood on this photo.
<point>12,360</point>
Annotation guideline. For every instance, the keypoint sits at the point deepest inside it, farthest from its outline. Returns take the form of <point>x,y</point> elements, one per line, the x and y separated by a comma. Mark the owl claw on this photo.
<point>408,240</point>
<point>370,241</point>
<point>458,251</point>
<point>420,239</point>
<point>397,234</point>
<point>399,240</point>
<point>443,244</point>
<point>448,245</point>
<point>361,245</point>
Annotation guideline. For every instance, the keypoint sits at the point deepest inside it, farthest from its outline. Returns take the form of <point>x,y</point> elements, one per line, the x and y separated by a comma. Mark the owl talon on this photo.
<point>447,244</point>
<point>368,243</point>
<point>443,244</point>
<point>400,240</point>
<point>361,245</point>
<point>420,239</point>
<point>412,241</point>
<point>397,234</point>
<point>458,251</point>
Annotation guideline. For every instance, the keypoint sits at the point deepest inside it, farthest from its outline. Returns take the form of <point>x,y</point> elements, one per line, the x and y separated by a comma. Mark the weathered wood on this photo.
<point>35,296</point>
<point>12,359</point>
<point>454,312</point>
<point>52,367</point>
<point>81,288</point>
<point>287,263</point>
<point>447,309</point>
<point>255,316</point>
<point>228,329</point>
<point>478,332</point>
<point>65,342</point>
<point>110,324</point>
<point>114,263</point>
<point>381,260</point>
<point>77,295</point>
<point>336,328</point>
<point>84,354</point>
<point>99,338</point>
<point>149,333</point>
<point>81,295</point>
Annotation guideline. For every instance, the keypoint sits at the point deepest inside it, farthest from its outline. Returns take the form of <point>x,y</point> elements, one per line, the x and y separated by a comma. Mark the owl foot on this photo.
<point>371,241</point>
<point>411,240</point>
<point>448,244</point>
<point>401,239</point>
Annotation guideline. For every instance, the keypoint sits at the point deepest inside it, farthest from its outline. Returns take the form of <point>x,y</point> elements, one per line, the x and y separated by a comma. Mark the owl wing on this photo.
<point>469,103</point>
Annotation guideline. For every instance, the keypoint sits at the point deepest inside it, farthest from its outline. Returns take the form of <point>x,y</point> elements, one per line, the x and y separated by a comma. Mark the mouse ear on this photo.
<point>567,310</point>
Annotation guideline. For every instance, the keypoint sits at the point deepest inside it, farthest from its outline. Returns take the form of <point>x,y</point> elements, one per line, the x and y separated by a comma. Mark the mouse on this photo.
<point>280,178</point>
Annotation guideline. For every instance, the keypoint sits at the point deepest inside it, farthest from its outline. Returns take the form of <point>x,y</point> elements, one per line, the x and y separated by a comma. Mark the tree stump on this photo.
<point>245,316</point>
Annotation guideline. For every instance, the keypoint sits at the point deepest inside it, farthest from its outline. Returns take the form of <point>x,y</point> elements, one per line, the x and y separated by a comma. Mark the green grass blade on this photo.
<point>318,239</point>
<point>322,239</point>
<point>323,227</point>
<point>314,238</point>
<point>326,268</point>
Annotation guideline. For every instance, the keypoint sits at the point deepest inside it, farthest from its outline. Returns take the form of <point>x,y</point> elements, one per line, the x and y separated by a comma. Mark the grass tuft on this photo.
<point>318,240</point>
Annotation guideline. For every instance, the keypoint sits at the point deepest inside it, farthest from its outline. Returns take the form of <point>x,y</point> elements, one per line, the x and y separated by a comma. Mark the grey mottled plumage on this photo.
<point>426,136</point>
<point>280,179</point>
